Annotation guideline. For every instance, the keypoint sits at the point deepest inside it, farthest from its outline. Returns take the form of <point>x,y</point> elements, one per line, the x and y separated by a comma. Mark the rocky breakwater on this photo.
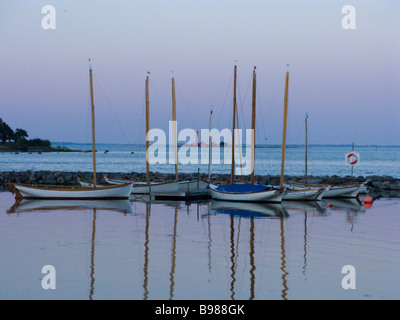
<point>41,177</point>
<point>72,178</point>
<point>378,186</point>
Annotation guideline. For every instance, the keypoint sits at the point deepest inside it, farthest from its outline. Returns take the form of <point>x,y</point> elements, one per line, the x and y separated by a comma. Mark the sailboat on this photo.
<point>298,192</point>
<point>196,185</point>
<point>327,191</point>
<point>23,191</point>
<point>244,192</point>
<point>147,187</point>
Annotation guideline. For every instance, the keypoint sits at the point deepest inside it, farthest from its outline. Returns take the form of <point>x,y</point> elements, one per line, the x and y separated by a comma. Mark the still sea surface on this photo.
<point>321,160</point>
<point>141,250</point>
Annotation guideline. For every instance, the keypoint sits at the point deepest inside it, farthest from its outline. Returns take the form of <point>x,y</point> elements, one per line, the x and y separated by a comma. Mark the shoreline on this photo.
<point>385,186</point>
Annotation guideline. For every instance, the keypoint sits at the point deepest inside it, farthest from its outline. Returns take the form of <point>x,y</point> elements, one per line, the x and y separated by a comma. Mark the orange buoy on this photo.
<point>367,202</point>
<point>330,205</point>
<point>367,199</point>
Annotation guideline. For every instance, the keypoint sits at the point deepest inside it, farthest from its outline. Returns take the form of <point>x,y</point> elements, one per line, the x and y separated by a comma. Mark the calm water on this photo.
<point>322,160</point>
<point>140,250</point>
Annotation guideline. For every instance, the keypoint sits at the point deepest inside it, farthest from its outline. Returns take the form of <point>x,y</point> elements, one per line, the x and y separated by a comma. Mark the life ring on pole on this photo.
<point>354,160</point>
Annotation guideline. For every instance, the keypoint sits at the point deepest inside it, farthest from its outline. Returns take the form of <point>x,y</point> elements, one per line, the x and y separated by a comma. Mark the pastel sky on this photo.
<point>347,80</point>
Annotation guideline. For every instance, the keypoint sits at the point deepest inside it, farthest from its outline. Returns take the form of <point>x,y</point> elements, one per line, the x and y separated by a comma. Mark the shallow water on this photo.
<point>205,251</point>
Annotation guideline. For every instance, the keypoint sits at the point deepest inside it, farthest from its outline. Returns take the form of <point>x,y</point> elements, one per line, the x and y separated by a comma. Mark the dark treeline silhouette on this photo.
<point>17,140</point>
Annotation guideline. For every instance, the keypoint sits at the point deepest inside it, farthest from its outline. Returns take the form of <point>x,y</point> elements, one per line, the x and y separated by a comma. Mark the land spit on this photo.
<point>378,186</point>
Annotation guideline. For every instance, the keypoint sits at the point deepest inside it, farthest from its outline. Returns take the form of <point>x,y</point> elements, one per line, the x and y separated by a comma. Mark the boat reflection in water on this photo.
<point>250,209</point>
<point>26,205</point>
<point>236,250</point>
<point>122,206</point>
<point>351,206</point>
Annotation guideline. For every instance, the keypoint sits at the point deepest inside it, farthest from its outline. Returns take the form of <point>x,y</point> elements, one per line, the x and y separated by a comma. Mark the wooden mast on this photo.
<point>233,128</point>
<point>209,149</point>
<point>147,130</point>
<point>253,127</point>
<point>93,126</point>
<point>305,174</point>
<point>284,128</point>
<point>174,124</point>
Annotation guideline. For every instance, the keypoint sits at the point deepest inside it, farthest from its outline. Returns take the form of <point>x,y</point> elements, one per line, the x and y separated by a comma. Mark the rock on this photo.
<point>385,185</point>
<point>60,180</point>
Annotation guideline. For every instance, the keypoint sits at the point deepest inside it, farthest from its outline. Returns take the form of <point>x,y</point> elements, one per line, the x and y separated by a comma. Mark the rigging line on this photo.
<point>239,144</point>
<point>185,105</point>
<point>112,109</point>
<point>275,95</point>
<point>158,101</point>
<point>226,95</point>
<point>260,110</point>
<point>244,98</point>
<point>244,124</point>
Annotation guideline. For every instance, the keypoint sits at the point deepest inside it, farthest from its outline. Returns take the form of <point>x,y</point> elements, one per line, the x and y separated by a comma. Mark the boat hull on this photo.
<point>260,196</point>
<point>62,193</point>
<point>350,191</point>
<point>192,186</point>
<point>154,188</point>
<point>313,194</point>
<point>144,188</point>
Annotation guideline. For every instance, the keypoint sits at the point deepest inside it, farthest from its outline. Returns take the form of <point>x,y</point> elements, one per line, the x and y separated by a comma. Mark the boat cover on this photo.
<point>242,188</point>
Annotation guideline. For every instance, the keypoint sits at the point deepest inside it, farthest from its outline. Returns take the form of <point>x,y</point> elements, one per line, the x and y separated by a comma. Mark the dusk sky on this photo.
<point>347,80</point>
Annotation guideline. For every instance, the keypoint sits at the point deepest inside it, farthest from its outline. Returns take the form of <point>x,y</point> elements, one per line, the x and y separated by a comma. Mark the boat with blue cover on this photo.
<point>245,192</point>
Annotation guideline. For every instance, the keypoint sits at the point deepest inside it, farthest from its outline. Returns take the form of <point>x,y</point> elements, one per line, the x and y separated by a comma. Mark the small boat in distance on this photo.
<point>23,191</point>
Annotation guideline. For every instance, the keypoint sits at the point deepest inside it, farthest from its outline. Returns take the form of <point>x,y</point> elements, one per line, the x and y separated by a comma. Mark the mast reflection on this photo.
<point>283,261</point>
<point>252,264</point>
<point>173,257</point>
<point>91,292</point>
<point>146,253</point>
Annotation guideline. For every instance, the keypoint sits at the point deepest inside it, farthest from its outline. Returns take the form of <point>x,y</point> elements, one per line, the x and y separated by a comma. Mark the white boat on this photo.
<point>298,192</point>
<point>246,193</point>
<point>184,186</point>
<point>141,187</point>
<point>344,191</point>
<point>75,192</point>
<point>71,192</point>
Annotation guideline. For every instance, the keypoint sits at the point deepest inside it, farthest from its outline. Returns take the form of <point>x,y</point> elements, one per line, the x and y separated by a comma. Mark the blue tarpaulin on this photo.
<point>242,188</point>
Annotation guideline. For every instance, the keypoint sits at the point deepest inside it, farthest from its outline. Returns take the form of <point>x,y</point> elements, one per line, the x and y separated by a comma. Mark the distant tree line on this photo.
<point>18,137</point>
